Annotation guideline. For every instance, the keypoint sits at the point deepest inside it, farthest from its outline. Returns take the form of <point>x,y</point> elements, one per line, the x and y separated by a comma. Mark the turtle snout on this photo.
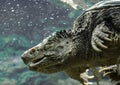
<point>25,59</point>
<point>29,55</point>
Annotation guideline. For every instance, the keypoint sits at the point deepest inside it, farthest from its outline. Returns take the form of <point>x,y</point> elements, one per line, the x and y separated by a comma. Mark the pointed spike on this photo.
<point>61,32</point>
<point>58,35</point>
<point>64,31</point>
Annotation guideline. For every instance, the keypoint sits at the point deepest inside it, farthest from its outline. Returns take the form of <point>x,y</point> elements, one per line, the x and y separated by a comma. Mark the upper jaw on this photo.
<point>31,61</point>
<point>44,63</point>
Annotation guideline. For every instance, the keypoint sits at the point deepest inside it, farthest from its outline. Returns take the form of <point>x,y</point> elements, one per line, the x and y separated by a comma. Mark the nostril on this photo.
<point>25,59</point>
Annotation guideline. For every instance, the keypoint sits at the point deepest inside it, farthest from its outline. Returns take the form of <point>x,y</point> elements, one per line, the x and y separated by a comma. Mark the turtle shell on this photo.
<point>105,4</point>
<point>88,20</point>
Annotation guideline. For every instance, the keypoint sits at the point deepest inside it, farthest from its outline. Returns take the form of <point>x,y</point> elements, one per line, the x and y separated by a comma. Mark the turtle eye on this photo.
<point>59,48</point>
<point>32,51</point>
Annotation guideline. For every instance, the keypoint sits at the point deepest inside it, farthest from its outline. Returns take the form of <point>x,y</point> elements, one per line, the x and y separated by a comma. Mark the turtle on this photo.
<point>93,41</point>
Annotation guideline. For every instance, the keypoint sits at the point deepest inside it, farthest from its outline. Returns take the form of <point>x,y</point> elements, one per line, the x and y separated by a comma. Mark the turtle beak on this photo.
<point>25,59</point>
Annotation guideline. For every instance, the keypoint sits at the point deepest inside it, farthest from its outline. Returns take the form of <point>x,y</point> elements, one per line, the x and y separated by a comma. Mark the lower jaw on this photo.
<point>47,69</point>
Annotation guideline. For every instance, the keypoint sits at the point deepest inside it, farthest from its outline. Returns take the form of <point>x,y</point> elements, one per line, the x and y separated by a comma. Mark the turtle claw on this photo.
<point>97,44</point>
<point>115,39</point>
<point>95,47</point>
<point>86,77</point>
<point>108,70</point>
<point>88,83</point>
<point>108,73</point>
<point>107,39</point>
<point>101,34</point>
<point>111,72</point>
<point>102,45</point>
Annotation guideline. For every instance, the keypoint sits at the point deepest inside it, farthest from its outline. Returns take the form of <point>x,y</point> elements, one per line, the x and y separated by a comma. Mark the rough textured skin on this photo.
<point>94,41</point>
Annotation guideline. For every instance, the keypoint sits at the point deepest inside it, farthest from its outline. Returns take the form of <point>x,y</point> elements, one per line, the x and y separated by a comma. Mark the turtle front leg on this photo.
<point>107,70</point>
<point>100,35</point>
<point>80,74</point>
<point>85,78</point>
<point>110,71</point>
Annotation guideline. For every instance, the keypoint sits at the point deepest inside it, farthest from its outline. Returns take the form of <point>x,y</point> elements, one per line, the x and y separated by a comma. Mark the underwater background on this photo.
<point>25,23</point>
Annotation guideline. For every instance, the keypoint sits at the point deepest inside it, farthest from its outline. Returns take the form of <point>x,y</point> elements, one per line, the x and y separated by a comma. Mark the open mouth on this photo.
<point>36,62</point>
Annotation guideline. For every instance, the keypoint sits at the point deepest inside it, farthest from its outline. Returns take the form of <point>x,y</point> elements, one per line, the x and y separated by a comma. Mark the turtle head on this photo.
<point>50,54</point>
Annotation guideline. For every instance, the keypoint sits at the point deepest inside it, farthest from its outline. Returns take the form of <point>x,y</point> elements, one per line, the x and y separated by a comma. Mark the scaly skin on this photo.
<point>63,51</point>
<point>94,41</point>
<point>57,53</point>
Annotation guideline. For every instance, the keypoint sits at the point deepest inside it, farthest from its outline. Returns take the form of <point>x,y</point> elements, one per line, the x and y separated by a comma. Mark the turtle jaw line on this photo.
<point>36,62</point>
